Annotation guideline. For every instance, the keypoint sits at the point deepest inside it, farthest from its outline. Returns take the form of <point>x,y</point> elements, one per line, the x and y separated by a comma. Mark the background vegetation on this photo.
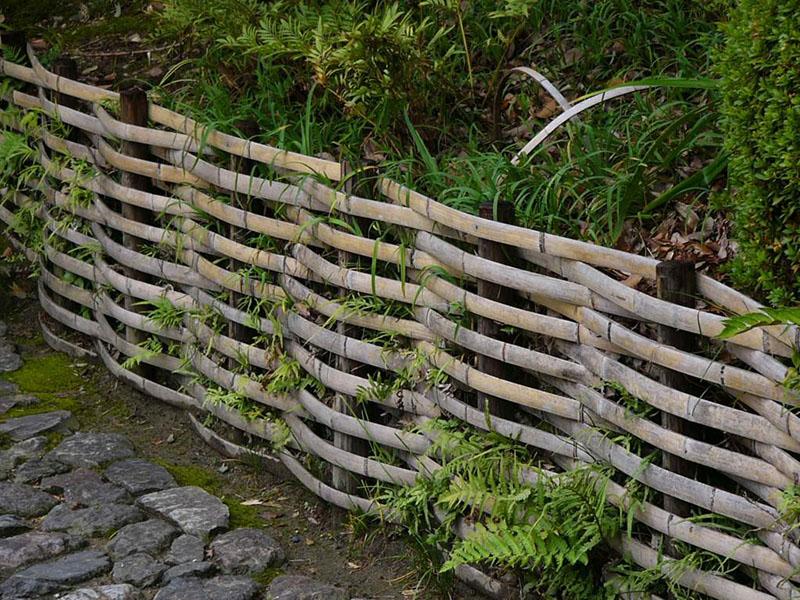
<point>760,72</point>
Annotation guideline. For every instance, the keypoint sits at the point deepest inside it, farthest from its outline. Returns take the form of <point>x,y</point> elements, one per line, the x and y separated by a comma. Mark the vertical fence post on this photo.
<point>676,282</point>
<point>493,251</point>
<point>342,479</point>
<point>133,110</point>
<point>65,67</point>
<point>237,331</point>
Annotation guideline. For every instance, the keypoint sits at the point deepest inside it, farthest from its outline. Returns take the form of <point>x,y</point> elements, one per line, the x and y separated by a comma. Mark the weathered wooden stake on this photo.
<point>133,110</point>
<point>66,67</point>
<point>486,289</point>
<point>676,282</point>
<point>236,330</point>
<point>342,479</point>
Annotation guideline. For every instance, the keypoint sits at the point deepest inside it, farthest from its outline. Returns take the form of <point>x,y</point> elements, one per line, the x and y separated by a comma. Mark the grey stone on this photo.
<point>23,500</point>
<point>191,508</point>
<point>34,470</point>
<point>298,587</point>
<point>246,551</point>
<point>7,388</point>
<point>35,546</point>
<point>3,328</point>
<point>92,449</point>
<point>9,401</point>
<point>22,428</point>
<point>9,359</point>
<point>139,569</point>
<point>12,525</point>
<point>86,488</point>
<point>229,587</point>
<point>186,548</point>
<point>117,591</point>
<point>44,578</point>
<point>147,536</point>
<point>98,520</point>
<point>20,452</point>
<point>140,476</point>
<point>192,569</point>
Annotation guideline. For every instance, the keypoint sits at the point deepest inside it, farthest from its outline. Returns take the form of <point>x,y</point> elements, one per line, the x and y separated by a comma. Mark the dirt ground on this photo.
<point>366,558</point>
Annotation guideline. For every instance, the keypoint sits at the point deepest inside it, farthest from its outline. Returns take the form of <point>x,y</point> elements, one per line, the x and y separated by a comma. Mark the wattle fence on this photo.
<point>202,264</point>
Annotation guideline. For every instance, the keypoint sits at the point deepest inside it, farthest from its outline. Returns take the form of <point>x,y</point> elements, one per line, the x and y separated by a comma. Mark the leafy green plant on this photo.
<point>760,70</point>
<point>767,317</point>
<point>544,529</point>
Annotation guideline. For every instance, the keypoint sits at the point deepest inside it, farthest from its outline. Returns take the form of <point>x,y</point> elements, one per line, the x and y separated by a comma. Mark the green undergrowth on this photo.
<point>240,515</point>
<point>414,85</point>
<point>71,23</point>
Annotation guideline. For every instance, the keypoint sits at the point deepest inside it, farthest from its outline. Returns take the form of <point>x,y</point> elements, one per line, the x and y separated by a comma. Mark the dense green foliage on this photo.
<point>760,71</point>
<point>413,86</point>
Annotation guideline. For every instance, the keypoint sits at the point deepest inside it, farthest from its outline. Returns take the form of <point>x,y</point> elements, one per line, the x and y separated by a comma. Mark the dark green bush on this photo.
<point>760,70</point>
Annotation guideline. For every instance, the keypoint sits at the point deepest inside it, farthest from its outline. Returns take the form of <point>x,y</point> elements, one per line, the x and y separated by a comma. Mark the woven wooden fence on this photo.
<point>142,204</point>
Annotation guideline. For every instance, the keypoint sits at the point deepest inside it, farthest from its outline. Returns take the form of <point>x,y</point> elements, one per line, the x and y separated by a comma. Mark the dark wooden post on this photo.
<point>676,282</point>
<point>244,167</point>
<point>342,479</point>
<point>66,67</point>
<point>133,110</point>
<point>494,251</point>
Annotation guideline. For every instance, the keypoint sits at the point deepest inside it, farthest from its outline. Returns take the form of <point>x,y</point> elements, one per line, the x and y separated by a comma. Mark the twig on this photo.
<point>127,52</point>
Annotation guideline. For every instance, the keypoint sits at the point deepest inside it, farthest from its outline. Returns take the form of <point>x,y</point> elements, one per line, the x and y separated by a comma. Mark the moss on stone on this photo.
<point>47,403</point>
<point>266,576</point>
<point>50,373</point>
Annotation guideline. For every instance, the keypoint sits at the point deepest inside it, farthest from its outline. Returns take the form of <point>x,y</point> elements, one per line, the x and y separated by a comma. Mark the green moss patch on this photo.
<point>51,373</point>
<point>266,576</point>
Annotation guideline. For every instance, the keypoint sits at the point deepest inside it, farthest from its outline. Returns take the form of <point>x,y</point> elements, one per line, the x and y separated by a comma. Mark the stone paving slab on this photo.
<point>298,587</point>
<point>85,487</point>
<point>28,426</point>
<point>104,592</point>
<point>91,450</point>
<point>191,508</point>
<point>246,551</point>
<point>56,575</point>
<point>93,521</point>
<point>24,500</point>
<point>140,476</point>
<point>34,546</point>
<point>150,536</point>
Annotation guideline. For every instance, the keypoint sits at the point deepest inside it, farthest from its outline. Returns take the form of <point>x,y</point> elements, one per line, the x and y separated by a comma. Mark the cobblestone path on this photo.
<point>82,518</point>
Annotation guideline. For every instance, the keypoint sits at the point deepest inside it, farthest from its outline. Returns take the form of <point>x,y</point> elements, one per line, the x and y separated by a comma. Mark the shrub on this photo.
<point>760,70</point>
